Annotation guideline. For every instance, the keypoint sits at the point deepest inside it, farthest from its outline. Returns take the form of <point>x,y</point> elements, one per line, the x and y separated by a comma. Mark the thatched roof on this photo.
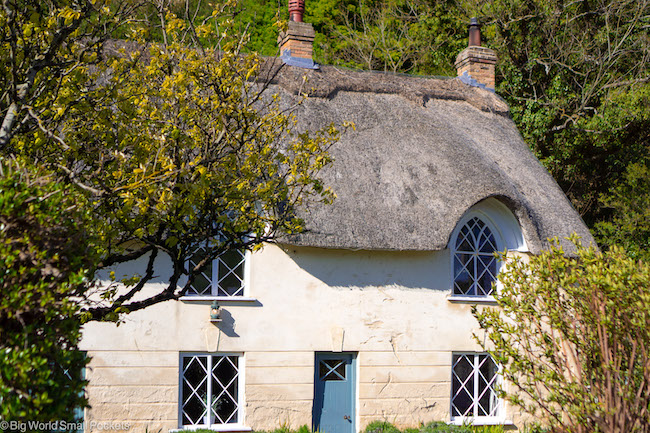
<point>424,151</point>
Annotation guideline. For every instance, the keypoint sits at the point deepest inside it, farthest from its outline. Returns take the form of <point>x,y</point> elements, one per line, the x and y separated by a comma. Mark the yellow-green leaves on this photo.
<point>167,145</point>
<point>573,337</point>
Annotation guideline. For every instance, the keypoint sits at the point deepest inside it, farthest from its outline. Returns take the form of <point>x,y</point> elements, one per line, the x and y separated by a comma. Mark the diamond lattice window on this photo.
<point>210,390</point>
<point>332,369</point>
<point>474,381</point>
<point>224,276</point>
<point>475,266</point>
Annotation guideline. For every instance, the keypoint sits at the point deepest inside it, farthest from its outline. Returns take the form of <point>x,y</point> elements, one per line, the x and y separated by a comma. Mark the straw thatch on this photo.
<point>424,151</point>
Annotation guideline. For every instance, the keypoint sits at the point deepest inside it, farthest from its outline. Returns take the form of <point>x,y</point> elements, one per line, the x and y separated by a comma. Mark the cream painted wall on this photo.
<point>389,307</point>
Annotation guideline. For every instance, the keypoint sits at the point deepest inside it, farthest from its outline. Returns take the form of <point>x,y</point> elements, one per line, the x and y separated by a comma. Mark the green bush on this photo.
<point>572,336</point>
<point>381,427</point>
<point>45,267</point>
<point>442,427</point>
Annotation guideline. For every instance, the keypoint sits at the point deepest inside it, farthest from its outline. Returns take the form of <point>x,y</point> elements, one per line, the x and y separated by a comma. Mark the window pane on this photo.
<point>231,273</point>
<point>487,376</point>
<point>487,242</point>
<point>194,390</point>
<point>487,270</point>
<point>202,284</point>
<point>224,389</point>
<point>463,270</point>
<point>476,225</point>
<point>464,242</point>
<point>475,267</point>
<point>462,385</point>
<point>332,369</point>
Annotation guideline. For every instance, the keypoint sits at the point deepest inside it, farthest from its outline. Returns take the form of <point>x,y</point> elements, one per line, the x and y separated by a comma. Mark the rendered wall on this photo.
<point>389,307</point>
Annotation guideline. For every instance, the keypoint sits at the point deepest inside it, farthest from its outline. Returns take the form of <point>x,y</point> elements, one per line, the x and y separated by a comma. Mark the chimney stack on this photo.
<point>297,43</point>
<point>475,64</point>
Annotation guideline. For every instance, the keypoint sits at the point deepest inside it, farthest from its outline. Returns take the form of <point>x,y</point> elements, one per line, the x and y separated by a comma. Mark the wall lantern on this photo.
<point>215,312</point>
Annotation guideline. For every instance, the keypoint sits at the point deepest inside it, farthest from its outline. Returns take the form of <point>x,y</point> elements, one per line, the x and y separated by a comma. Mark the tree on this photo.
<point>174,143</point>
<point>46,256</point>
<point>577,77</point>
<point>572,335</point>
<point>151,146</point>
<point>395,35</point>
<point>630,225</point>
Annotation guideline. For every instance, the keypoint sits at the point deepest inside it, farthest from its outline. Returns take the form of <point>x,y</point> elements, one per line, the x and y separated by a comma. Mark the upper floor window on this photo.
<point>225,276</point>
<point>475,265</point>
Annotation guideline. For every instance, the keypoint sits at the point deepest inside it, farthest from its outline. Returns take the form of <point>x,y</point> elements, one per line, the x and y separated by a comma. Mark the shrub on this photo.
<point>381,427</point>
<point>572,335</point>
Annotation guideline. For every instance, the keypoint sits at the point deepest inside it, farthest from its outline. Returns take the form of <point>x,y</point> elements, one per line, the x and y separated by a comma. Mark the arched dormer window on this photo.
<point>486,228</point>
<point>475,266</point>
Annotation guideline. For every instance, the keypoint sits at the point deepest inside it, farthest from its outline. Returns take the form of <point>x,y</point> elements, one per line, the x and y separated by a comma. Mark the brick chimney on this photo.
<point>475,64</point>
<point>296,44</point>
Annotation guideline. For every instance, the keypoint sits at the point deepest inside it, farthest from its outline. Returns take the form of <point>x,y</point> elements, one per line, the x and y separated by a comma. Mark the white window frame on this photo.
<point>498,238</point>
<point>499,417</point>
<point>507,232</point>
<point>244,296</point>
<point>237,426</point>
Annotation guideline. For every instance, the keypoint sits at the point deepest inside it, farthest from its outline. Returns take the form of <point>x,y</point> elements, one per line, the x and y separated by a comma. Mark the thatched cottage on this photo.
<point>365,316</point>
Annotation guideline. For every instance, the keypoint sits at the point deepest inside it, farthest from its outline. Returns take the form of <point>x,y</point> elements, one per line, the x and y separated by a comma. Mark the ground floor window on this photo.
<point>475,377</point>
<point>210,390</point>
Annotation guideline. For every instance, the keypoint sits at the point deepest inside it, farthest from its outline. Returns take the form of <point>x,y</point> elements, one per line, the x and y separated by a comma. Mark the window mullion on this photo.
<point>208,398</point>
<point>214,286</point>
<point>476,383</point>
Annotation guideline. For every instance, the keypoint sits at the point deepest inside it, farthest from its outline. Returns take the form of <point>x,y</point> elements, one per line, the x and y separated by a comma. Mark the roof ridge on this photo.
<point>327,81</point>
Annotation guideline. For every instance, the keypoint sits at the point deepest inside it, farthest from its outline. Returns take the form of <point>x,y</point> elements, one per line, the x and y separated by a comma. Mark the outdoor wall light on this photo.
<point>215,312</point>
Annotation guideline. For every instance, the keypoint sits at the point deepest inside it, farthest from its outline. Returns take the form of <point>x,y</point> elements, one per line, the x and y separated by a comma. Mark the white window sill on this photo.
<point>220,428</point>
<point>489,300</point>
<point>480,421</point>
<point>224,299</point>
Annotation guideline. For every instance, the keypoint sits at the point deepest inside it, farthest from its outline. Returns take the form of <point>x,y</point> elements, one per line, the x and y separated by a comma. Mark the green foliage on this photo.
<point>576,77</point>
<point>45,270</point>
<point>381,427</point>
<point>258,19</point>
<point>441,427</point>
<point>432,427</point>
<point>630,224</point>
<point>286,429</point>
<point>572,335</point>
<point>172,145</point>
<point>396,35</point>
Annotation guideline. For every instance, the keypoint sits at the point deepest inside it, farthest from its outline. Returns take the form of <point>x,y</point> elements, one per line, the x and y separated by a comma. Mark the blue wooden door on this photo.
<point>334,393</point>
